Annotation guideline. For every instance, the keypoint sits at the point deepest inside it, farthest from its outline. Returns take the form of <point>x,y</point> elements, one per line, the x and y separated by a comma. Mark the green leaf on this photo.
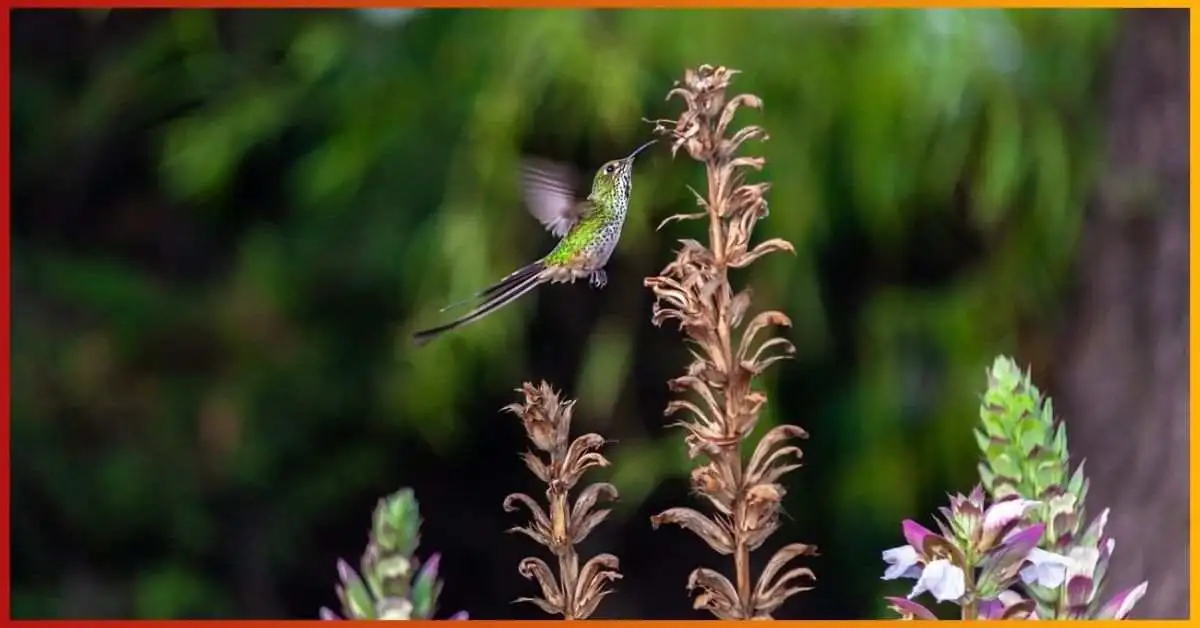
<point>424,594</point>
<point>317,49</point>
<point>1078,482</point>
<point>1005,466</point>
<point>982,440</point>
<point>987,477</point>
<point>356,595</point>
<point>1031,433</point>
<point>1046,474</point>
<point>199,155</point>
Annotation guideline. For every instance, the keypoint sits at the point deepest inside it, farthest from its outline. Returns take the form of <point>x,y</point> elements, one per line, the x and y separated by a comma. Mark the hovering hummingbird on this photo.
<point>588,231</point>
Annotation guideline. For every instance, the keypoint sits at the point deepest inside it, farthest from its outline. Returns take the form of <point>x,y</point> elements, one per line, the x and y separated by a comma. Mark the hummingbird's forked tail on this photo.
<point>509,281</point>
<point>507,290</point>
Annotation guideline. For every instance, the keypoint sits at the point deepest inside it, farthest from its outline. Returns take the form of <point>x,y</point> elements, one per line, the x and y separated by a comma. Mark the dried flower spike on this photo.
<point>577,591</point>
<point>694,290</point>
<point>393,585</point>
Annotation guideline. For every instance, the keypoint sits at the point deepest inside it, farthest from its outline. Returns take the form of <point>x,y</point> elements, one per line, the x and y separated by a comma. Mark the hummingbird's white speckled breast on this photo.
<point>608,242</point>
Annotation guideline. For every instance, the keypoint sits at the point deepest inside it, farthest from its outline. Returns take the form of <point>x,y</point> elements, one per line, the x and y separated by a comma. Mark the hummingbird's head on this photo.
<point>614,180</point>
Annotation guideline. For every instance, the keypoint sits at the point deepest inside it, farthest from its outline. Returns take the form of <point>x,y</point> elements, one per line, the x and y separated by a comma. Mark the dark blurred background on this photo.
<point>227,224</point>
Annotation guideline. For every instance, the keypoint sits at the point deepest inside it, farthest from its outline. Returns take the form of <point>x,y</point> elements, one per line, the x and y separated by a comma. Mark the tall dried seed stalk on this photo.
<point>576,592</point>
<point>694,289</point>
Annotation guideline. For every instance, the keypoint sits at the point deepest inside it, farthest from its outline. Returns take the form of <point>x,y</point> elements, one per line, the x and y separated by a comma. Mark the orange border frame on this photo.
<point>5,234</point>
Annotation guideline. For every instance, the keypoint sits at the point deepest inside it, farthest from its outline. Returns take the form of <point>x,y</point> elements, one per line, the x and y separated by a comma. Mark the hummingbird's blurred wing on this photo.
<point>551,194</point>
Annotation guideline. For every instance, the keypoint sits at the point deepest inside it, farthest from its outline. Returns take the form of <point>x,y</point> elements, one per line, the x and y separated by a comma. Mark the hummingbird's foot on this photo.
<point>598,279</point>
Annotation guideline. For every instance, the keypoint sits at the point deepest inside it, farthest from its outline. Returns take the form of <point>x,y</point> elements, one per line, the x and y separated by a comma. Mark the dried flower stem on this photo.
<point>576,592</point>
<point>695,290</point>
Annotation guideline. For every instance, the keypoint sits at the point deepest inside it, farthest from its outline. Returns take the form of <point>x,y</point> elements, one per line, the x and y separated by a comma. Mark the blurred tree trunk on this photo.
<point>1122,379</point>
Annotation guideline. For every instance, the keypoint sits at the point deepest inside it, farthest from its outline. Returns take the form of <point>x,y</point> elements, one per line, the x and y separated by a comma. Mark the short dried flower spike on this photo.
<point>694,290</point>
<point>577,591</point>
<point>393,584</point>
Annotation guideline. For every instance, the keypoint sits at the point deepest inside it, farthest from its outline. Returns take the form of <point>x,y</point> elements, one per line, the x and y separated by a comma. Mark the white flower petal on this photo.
<point>1001,513</point>
<point>902,554</point>
<point>1083,561</point>
<point>1008,597</point>
<point>902,563</point>
<point>901,571</point>
<point>1045,568</point>
<point>945,581</point>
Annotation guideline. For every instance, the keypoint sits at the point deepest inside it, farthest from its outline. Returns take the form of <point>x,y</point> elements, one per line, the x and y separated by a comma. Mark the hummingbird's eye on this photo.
<point>609,168</point>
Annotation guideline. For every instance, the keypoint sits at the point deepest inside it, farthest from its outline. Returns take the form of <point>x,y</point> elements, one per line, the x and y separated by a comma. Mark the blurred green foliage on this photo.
<point>227,224</point>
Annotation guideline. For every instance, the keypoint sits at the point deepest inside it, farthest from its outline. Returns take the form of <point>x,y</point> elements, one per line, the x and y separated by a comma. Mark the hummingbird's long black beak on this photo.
<point>639,149</point>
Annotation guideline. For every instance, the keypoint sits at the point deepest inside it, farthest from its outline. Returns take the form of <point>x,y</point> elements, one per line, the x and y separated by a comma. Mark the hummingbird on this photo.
<point>588,231</point>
